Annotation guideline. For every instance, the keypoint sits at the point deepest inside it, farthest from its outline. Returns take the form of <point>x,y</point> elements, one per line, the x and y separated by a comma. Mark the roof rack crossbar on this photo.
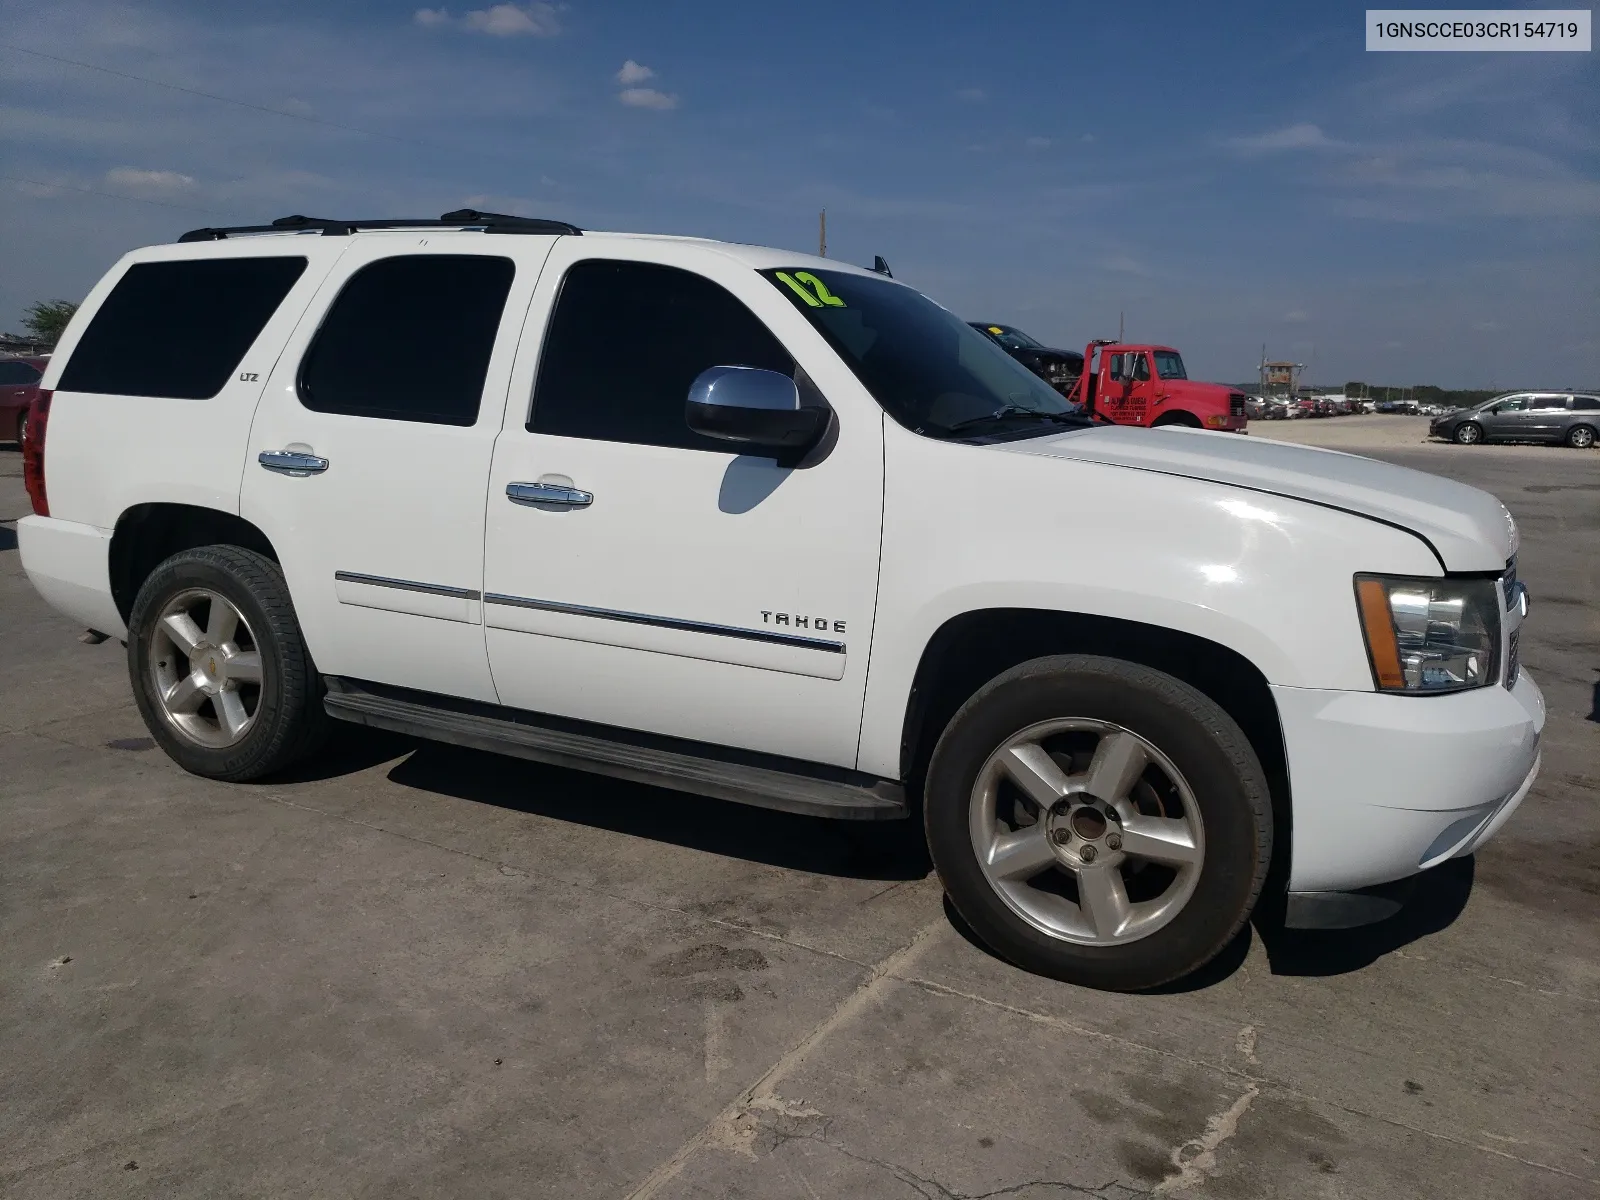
<point>461,218</point>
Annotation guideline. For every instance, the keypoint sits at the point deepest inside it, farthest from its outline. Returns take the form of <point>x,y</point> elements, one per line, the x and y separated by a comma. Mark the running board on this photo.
<point>622,754</point>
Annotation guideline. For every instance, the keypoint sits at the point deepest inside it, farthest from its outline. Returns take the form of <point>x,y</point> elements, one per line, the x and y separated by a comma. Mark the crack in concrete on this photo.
<point>736,1126</point>
<point>932,1189</point>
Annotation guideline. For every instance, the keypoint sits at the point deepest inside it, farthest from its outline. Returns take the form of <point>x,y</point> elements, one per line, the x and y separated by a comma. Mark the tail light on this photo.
<point>33,453</point>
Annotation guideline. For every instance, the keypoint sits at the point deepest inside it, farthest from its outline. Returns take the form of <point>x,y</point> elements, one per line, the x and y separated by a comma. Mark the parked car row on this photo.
<point>1283,408</point>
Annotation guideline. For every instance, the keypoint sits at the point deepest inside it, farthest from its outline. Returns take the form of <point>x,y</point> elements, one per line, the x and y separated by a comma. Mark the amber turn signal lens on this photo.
<point>1378,623</point>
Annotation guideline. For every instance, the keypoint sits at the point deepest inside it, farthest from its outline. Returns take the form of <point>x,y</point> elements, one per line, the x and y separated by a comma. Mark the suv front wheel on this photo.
<point>219,667</point>
<point>1098,821</point>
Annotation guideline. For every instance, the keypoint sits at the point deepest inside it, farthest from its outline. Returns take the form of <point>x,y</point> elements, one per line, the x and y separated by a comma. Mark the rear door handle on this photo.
<point>548,493</point>
<point>292,462</point>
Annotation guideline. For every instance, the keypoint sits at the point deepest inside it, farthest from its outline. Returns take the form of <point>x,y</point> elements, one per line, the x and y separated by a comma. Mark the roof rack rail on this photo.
<point>461,218</point>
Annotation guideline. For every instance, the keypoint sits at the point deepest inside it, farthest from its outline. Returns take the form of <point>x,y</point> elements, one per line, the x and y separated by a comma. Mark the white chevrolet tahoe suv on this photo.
<point>770,528</point>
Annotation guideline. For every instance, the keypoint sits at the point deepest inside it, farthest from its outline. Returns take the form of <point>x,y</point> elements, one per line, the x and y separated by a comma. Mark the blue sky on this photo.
<point>1227,174</point>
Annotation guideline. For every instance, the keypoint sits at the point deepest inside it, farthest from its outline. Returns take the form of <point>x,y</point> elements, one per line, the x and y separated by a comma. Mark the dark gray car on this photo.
<point>1524,417</point>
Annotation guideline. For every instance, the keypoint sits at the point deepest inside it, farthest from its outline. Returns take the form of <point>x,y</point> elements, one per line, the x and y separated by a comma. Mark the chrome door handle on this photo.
<point>292,462</point>
<point>548,493</point>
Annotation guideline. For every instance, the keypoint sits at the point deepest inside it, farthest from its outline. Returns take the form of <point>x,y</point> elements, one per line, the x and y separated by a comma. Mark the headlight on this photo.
<point>1426,636</point>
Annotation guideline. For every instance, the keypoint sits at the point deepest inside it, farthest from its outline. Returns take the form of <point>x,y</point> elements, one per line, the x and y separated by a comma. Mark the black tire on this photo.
<point>1184,419</point>
<point>290,722</point>
<point>22,427</point>
<point>1580,437</point>
<point>1193,732</point>
<point>1468,433</point>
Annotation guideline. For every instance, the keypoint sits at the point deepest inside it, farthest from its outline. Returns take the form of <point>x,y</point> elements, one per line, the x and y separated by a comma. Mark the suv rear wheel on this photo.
<point>1580,437</point>
<point>219,668</point>
<point>1098,821</point>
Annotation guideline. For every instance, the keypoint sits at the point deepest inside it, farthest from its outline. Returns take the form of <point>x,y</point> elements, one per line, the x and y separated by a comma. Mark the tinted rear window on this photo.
<point>1586,403</point>
<point>16,371</point>
<point>409,339</point>
<point>178,328</point>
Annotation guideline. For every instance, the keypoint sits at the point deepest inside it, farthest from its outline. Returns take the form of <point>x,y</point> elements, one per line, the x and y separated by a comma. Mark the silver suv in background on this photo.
<point>1561,417</point>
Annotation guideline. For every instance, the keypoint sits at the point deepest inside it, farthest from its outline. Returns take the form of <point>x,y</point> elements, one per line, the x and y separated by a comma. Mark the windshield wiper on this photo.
<point>1017,410</point>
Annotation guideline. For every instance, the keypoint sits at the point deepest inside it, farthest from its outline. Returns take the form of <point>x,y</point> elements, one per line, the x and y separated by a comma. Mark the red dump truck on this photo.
<point>1147,385</point>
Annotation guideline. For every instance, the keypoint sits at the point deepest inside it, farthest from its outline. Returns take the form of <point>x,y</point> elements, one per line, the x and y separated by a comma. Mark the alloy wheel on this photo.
<point>1087,831</point>
<point>205,665</point>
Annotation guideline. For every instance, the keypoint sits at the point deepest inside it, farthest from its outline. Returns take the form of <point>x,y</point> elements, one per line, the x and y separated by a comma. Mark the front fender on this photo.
<point>1265,576</point>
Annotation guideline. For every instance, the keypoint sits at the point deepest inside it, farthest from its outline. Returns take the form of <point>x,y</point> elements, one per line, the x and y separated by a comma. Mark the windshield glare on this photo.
<point>929,369</point>
<point>1169,365</point>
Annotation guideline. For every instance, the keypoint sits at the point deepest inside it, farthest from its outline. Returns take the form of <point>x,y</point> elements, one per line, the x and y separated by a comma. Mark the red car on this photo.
<point>19,384</point>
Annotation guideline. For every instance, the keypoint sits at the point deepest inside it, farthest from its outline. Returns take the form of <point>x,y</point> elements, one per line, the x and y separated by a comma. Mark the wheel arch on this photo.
<point>1178,416</point>
<point>973,647</point>
<point>147,534</point>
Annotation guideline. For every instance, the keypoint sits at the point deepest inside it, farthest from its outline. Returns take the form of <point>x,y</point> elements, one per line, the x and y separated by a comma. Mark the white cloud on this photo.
<point>500,20</point>
<point>1296,317</point>
<point>972,95</point>
<point>149,183</point>
<point>647,98</point>
<point>1037,143</point>
<point>1303,136</point>
<point>633,73</point>
<point>511,20</point>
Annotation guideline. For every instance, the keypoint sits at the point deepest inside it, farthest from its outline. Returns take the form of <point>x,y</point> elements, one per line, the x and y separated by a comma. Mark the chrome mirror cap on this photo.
<point>745,387</point>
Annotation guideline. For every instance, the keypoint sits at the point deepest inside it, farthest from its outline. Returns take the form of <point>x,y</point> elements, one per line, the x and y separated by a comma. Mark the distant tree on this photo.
<point>47,319</point>
<point>1355,388</point>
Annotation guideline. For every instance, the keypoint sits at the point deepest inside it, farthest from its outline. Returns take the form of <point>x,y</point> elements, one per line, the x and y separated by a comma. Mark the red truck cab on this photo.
<point>1147,385</point>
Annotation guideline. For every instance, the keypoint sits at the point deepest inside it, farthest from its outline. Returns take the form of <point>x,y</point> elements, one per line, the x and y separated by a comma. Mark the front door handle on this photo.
<point>548,493</point>
<point>292,462</point>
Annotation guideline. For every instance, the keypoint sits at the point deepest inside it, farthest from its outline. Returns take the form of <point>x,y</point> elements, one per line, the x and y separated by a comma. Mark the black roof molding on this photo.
<point>461,218</point>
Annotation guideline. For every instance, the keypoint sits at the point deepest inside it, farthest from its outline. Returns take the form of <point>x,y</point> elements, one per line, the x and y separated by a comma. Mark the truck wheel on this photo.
<point>1098,821</point>
<point>219,668</point>
<point>1468,433</point>
<point>1184,419</point>
<point>1580,437</point>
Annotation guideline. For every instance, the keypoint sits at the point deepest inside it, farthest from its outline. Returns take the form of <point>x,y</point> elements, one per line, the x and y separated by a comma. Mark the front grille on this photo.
<point>1236,404</point>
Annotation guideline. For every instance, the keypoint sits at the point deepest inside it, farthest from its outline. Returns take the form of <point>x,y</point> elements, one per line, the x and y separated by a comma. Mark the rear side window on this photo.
<point>1586,403</point>
<point>1548,402</point>
<point>626,341</point>
<point>14,371</point>
<point>178,329</point>
<point>409,339</point>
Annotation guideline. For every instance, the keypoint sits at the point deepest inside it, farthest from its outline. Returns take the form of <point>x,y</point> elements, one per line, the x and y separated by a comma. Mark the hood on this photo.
<point>1198,387</point>
<point>1468,529</point>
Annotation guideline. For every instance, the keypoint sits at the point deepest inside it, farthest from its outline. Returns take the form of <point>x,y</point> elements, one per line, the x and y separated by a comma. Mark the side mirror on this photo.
<point>754,408</point>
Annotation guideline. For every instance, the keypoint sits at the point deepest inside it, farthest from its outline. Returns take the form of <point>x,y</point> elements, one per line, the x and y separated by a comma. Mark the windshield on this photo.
<point>930,370</point>
<point>1012,339</point>
<point>1169,365</point>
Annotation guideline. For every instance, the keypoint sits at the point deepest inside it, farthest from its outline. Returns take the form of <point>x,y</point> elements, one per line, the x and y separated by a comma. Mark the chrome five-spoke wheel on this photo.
<point>205,666</point>
<point>1087,831</point>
